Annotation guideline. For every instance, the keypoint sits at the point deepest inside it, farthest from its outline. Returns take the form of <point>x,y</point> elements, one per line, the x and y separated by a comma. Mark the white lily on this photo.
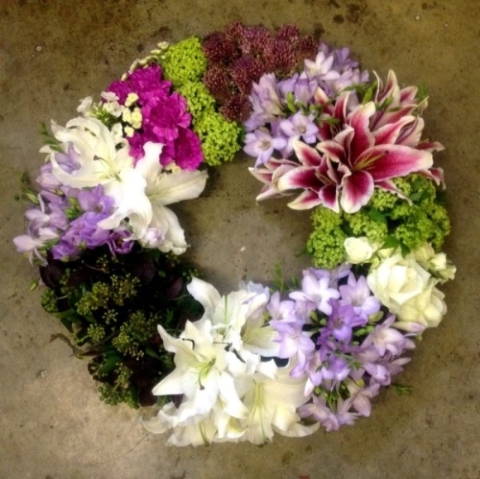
<point>141,191</point>
<point>273,404</point>
<point>238,318</point>
<point>164,188</point>
<point>201,375</point>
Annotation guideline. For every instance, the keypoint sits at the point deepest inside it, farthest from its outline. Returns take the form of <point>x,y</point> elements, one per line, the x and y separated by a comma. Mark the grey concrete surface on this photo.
<point>52,425</point>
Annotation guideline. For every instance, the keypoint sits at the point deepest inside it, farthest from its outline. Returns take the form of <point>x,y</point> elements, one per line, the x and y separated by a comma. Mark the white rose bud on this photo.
<point>359,250</point>
<point>424,254</point>
<point>441,267</point>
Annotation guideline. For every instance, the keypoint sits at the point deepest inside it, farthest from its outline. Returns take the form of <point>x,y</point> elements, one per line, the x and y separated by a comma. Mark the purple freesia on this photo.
<point>357,294</point>
<point>261,145</point>
<point>316,291</point>
<point>330,332</point>
<point>298,126</point>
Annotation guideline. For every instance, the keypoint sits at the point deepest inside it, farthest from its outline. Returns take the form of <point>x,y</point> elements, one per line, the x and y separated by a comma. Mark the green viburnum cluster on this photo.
<point>184,64</point>
<point>112,306</point>
<point>386,220</point>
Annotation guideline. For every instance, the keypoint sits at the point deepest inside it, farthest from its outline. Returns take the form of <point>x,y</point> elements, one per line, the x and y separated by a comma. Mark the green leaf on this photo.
<point>369,93</point>
<point>291,102</point>
<point>377,216</point>
<point>49,139</point>
<point>110,363</point>
<point>390,242</point>
<point>422,93</point>
<point>401,389</point>
<point>152,353</point>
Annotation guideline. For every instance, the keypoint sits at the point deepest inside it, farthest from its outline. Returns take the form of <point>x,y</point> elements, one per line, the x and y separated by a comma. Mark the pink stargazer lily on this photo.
<point>343,171</point>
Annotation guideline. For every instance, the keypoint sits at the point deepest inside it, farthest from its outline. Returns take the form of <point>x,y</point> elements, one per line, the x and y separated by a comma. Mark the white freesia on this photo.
<point>359,250</point>
<point>229,392</point>
<point>141,191</point>
<point>408,290</point>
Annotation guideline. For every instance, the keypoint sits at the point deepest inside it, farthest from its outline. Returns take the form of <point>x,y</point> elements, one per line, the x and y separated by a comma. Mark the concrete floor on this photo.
<point>52,425</point>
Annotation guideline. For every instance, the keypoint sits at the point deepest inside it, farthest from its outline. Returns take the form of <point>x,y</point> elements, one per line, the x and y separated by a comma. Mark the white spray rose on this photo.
<point>407,289</point>
<point>442,268</point>
<point>397,279</point>
<point>437,264</point>
<point>359,250</point>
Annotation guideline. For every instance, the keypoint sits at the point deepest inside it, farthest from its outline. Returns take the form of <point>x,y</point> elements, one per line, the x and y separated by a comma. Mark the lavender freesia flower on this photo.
<point>316,291</point>
<point>298,126</point>
<point>261,145</point>
<point>357,294</point>
<point>332,332</point>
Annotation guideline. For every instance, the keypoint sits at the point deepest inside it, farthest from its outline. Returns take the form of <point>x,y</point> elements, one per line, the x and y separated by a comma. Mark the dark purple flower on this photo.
<point>219,49</point>
<point>219,84</point>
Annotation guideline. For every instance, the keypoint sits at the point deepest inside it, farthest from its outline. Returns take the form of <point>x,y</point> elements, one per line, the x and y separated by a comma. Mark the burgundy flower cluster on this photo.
<point>239,55</point>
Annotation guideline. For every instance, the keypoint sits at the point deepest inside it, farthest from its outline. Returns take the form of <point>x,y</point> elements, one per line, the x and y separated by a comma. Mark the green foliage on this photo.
<point>112,306</point>
<point>219,137</point>
<point>387,219</point>
<point>325,244</point>
<point>184,61</point>
<point>198,98</point>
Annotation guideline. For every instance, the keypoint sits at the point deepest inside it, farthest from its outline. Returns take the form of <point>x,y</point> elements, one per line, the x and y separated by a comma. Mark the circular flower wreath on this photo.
<point>256,361</point>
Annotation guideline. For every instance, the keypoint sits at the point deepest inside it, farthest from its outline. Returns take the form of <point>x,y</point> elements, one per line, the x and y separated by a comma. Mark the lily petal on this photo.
<point>305,201</point>
<point>394,160</point>
<point>307,155</point>
<point>301,177</point>
<point>357,191</point>
<point>359,121</point>
<point>205,294</point>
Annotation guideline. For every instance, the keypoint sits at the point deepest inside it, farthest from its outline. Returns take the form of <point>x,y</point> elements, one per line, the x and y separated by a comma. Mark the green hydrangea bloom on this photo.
<point>184,61</point>
<point>421,224</point>
<point>219,137</point>
<point>383,200</point>
<point>404,184</point>
<point>363,223</point>
<point>325,244</point>
<point>198,98</point>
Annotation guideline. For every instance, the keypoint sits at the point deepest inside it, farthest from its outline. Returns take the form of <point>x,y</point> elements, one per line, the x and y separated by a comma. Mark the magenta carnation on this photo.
<point>164,118</point>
